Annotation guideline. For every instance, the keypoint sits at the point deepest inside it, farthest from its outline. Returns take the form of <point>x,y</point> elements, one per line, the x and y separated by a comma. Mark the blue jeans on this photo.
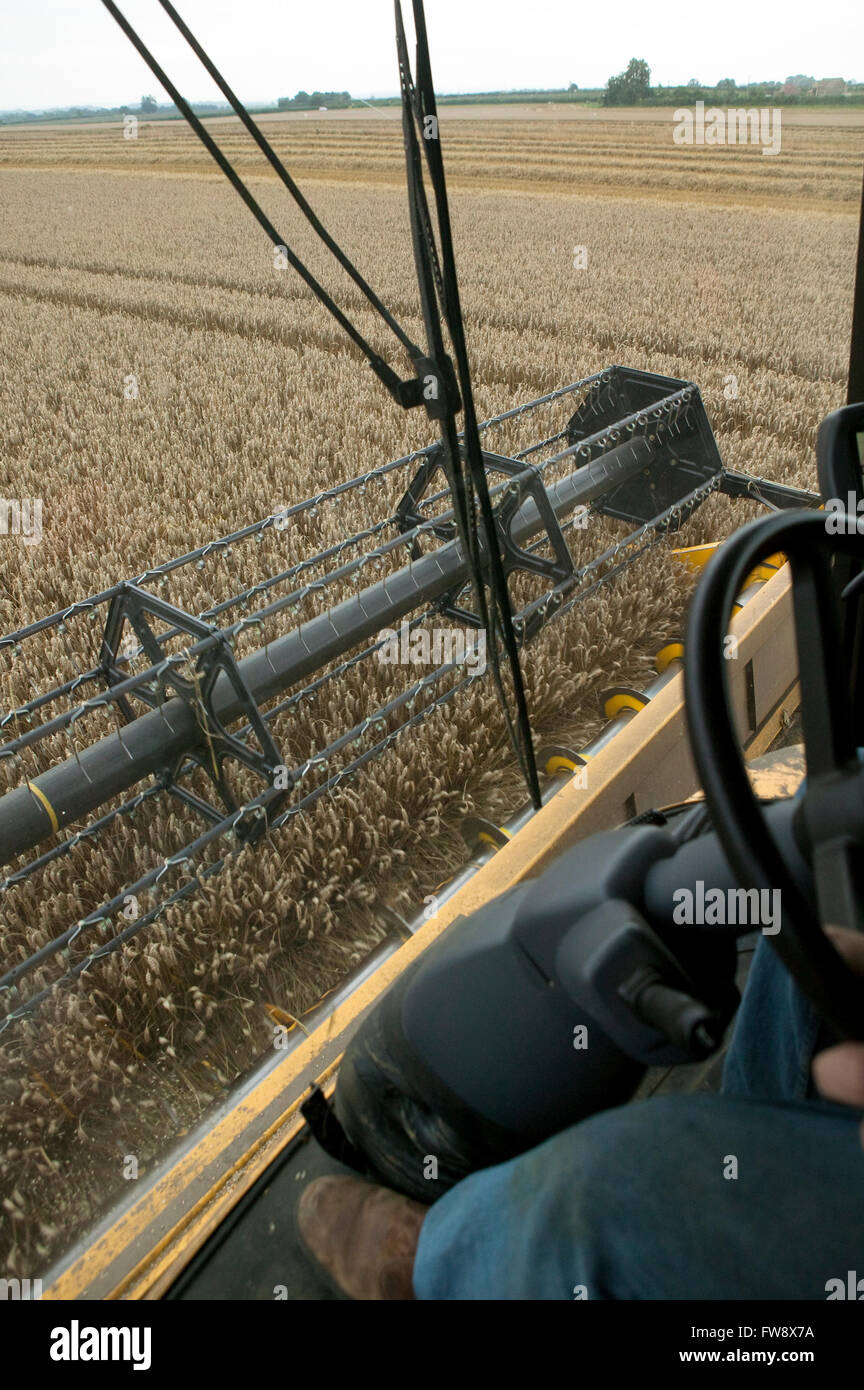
<point>756,1193</point>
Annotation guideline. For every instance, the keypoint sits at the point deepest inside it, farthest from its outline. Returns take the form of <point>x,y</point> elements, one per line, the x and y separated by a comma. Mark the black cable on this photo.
<point>439,295</point>
<point>406,393</point>
<point>462,479</point>
<point>431,285</point>
<point>273,159</point>
<point>855,385</point>
<point>420,96</point>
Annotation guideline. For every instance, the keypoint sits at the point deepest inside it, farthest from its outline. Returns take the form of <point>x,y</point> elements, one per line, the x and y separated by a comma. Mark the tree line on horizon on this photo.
<point>633,88</point>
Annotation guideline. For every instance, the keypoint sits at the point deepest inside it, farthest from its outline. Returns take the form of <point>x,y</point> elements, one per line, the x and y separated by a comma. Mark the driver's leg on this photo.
<point>681,1197</point>
<point>775,1035</point>
<point>702,1196</point>
<point>675,1198</point>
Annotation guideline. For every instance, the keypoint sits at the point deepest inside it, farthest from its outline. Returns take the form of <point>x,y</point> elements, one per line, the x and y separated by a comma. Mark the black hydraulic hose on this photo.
<point>431,276</point>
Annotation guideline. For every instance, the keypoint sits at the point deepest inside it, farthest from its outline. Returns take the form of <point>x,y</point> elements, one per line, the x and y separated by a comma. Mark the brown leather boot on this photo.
<point>365,1237</point>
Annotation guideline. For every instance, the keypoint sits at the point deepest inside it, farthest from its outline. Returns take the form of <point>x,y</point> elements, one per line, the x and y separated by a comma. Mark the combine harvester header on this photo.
<point>650,462</point>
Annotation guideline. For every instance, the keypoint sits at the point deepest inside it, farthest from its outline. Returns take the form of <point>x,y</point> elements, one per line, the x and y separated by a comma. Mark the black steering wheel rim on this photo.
<point>805,949</point>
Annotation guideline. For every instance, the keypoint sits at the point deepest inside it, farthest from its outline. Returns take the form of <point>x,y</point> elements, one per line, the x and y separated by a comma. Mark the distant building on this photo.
<point>829,87</point>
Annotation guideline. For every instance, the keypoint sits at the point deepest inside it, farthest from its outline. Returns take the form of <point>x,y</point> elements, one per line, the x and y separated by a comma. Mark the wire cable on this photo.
<point>438,277</point>
<point>275,162</point>
<point>405,392</point>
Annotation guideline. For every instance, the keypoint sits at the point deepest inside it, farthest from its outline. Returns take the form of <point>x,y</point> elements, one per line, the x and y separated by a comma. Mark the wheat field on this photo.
<point>130,260</point>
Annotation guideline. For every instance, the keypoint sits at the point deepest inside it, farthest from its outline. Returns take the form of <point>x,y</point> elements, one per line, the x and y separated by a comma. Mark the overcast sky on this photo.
<point>71,52</point>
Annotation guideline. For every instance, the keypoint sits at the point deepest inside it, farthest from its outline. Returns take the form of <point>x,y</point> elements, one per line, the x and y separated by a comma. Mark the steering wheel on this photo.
<point>829,825</point>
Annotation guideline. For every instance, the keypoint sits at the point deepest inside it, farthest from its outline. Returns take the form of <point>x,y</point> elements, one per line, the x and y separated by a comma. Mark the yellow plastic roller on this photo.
<point>621,698</point>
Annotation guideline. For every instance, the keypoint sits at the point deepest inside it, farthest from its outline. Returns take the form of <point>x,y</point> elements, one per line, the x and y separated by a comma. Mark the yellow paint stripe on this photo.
<point>40,796</point>
<point>177,1248</point>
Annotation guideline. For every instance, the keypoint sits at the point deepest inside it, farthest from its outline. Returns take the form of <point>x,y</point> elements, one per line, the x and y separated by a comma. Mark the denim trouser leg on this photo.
<point>775,1035</point>
<point>728,1197</point>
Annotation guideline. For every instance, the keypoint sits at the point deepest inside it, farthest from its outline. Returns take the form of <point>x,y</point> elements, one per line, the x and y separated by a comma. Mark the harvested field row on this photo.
<point>814,164</point>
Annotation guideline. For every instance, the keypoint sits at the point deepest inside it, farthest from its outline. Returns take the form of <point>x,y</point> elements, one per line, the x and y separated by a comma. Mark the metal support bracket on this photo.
<point>216,745</point>
<point>527,483</point>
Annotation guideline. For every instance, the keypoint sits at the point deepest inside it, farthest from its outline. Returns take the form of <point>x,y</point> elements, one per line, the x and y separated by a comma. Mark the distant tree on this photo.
<point>148,104</point>
<point>574,87</point>
<point>304,101</point>
<point>726,84</point>
<point>630,86</point>
<point>694,84</point>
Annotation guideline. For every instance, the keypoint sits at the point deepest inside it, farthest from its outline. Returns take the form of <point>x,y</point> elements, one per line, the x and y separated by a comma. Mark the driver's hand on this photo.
<point>839,1071</point>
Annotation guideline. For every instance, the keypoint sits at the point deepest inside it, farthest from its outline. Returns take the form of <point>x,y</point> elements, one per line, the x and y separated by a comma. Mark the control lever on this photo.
<point>616,968</point>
